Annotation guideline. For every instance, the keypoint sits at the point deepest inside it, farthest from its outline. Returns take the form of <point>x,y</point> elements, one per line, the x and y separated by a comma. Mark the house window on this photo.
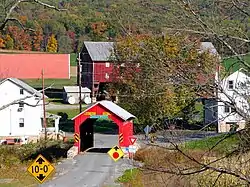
<point>227,109</point>
<point>107,64</point>
<point>21,91</point>
<point>230,85</point>
<point>21,122</point>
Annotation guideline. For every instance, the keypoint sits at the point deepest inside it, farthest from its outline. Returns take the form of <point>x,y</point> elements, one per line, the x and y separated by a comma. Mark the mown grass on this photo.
<point>73,60</point>
<point>221,144</point>
<point>14,160</point>
<point>233,65</point>
<point>56,83</point>
<point>70,112</point>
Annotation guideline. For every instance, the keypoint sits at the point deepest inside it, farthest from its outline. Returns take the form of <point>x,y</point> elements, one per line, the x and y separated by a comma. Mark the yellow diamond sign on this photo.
<point>115,153</point>
<point>41,168</point>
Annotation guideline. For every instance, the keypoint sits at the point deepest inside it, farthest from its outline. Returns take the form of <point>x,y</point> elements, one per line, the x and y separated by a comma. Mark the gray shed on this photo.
<point>71,94</point>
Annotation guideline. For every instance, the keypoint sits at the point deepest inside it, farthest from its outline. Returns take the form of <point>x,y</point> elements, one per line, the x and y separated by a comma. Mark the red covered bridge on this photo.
<point>84,130</point>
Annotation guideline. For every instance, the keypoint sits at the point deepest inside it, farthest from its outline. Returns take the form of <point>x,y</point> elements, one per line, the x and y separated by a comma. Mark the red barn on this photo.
<point>30,66</point>
<point>97,66</point>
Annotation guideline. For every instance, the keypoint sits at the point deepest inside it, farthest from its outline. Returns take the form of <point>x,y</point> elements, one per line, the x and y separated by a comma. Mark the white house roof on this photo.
<point>100,51</point>
<point>23,85</point>
<point>75,89</point>
<point>114,108</point>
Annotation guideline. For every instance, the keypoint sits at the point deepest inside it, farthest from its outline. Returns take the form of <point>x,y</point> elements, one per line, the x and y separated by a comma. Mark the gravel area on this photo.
<point>118,171</point>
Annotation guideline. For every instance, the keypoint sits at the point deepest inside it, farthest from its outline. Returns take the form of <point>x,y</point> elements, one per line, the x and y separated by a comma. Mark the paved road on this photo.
<point>86,170</point>
<point>92,169</point>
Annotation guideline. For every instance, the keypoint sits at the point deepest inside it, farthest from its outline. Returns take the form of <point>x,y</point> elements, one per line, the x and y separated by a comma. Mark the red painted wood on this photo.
<point>29,66</point>
<point>100,71</point>
<point>125,127</point>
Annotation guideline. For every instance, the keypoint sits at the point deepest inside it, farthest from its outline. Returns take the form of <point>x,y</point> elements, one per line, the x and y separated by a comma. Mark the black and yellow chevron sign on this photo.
<point>77,137</point>
<point>121,137</point>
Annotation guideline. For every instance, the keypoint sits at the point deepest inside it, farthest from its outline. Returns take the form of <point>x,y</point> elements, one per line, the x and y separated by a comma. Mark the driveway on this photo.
<point>89,169</point>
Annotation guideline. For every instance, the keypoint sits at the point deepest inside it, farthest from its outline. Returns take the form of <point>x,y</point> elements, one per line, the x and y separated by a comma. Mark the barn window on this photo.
<point>21,122</point>
<point>21,91</point>
<point>107,76</point>
<point>230,85</point>
<point>107,64</point>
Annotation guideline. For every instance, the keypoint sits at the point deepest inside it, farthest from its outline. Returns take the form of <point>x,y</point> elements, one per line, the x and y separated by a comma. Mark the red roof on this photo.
<point>30,66</point>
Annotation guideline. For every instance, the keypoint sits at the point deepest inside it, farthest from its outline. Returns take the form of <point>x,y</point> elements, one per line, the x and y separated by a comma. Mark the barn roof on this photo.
<point>114,108</point>
<point>100,51</point>
<point>75,89</point>
<point>30,66</point>
<point>23,85</point>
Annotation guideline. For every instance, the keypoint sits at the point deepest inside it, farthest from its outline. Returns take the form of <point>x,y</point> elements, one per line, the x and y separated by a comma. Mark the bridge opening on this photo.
<point>95,125</point>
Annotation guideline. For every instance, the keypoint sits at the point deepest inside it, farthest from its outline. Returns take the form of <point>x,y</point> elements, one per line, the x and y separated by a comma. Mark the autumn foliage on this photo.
<point>161,74</point>
<point>52,44</point>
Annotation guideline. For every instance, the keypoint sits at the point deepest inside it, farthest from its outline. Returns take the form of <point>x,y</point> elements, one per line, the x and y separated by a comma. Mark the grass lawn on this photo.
<point>205,144</point>
<point>130,176</point>
<point>73,57</point>
<point>233,65</point>
<point>57,83</point>
<point>70,112</point>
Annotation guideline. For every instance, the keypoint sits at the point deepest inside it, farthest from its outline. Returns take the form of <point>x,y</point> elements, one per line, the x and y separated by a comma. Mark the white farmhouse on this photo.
<point>235,88</point>
<point>20,118</point>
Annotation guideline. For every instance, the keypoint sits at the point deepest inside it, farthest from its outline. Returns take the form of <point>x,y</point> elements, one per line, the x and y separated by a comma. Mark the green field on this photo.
<point>233,65</point>
<point>228,144</point>
<point>56,83</point>
<point>73,57</point>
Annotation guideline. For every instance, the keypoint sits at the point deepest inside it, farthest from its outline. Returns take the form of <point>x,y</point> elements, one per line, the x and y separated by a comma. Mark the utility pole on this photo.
<point>80,82</point>
<point>93,83</point>
<point>44,112</point>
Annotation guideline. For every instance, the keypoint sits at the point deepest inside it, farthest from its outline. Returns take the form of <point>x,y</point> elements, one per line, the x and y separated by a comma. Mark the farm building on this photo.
<point>71,94</point>
<point>97,67</point>
<point>21,111</point>
<point>30,65</point>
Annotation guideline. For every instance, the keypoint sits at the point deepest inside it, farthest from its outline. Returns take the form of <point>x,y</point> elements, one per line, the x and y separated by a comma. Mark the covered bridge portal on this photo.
<point>84,130</point>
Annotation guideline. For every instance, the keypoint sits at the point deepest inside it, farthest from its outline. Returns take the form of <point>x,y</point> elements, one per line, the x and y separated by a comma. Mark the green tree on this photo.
<point>159,76</point>
<point>65,44</point>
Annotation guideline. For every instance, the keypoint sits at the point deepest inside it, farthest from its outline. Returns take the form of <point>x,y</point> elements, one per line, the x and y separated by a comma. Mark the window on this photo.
<point>227,109</point>
<point>107,64</point>
<point>230,84</point>
<point>21,104</point>
<point>107,76</point>
<point>21,122</point>
<point>21,91</point>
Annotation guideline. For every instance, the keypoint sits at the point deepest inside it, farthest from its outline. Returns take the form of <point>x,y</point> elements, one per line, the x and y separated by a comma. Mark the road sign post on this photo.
<point>132,140</point>
<point>41,168</point>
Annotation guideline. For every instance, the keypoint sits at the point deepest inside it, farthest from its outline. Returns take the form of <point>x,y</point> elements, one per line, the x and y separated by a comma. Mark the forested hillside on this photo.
<point>102,20</point>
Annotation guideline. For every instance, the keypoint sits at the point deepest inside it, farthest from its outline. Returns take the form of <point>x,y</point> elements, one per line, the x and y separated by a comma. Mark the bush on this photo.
<point>52,150</point>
